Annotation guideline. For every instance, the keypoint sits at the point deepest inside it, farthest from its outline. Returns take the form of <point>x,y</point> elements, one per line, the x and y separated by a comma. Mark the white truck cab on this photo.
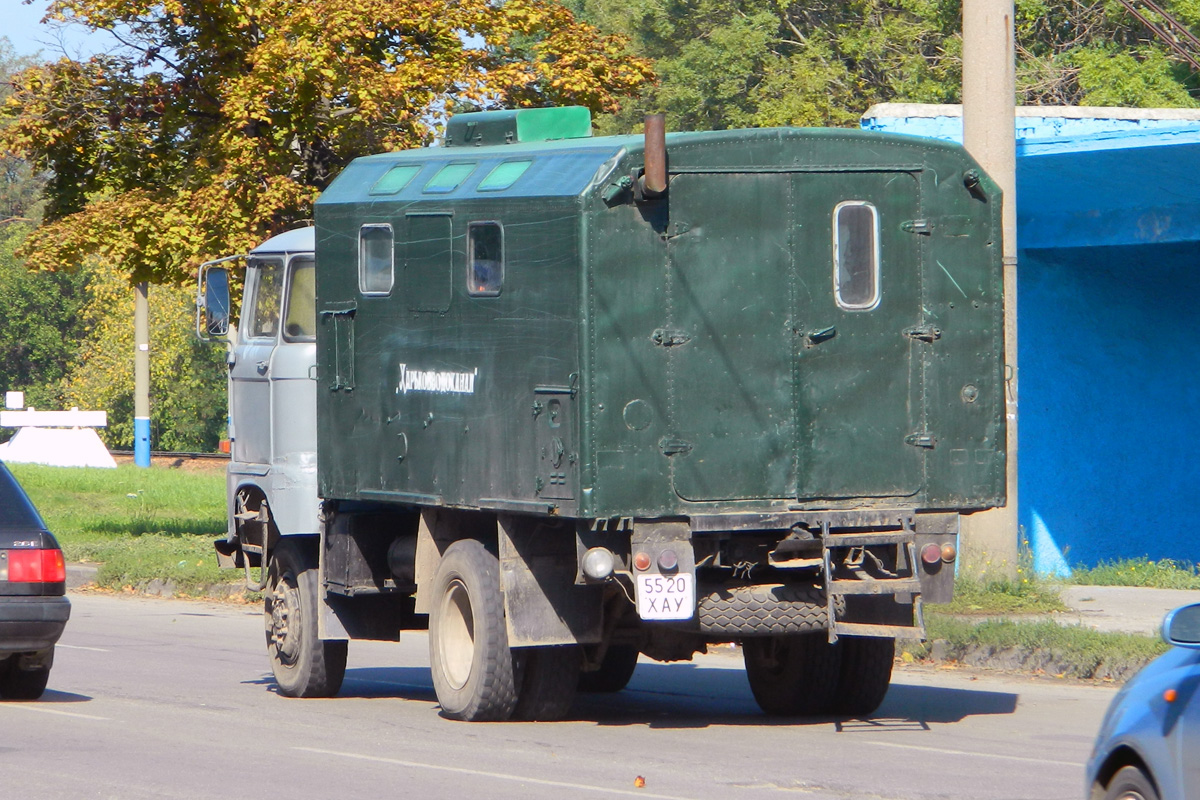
<point>272,475</point>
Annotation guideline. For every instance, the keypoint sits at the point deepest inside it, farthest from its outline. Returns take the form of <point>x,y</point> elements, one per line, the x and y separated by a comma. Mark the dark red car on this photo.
<point>33,584</point>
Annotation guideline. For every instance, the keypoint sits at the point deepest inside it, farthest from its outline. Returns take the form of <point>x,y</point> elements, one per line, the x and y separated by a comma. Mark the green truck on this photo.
<point>577,400</point>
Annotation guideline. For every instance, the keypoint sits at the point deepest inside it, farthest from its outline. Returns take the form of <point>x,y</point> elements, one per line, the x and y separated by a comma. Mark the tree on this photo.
<point>40,324</point>
<point>19,187</point>
<point>218,121</point>
<point>187,376</point>
<point>733,63</point>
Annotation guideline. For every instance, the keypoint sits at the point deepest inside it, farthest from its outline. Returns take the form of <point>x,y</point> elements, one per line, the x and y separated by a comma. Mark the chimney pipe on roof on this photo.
<point>656,154</point>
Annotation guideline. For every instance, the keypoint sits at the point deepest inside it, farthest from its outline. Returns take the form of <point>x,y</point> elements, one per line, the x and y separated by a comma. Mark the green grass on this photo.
<point>1069,650</point>
<point>1162,574</point>
<point>1001,596</point>
<point>137,524</point>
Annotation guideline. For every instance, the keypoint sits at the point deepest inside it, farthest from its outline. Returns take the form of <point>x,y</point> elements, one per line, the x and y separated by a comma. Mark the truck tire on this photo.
<point>24,684</point>
<point>792,675</point>
<point>474,671</point>
<point>615,671</point>
<point>763,609</point>
<point>303,664</point>
<point>866,671</point>
<point>549,680</point>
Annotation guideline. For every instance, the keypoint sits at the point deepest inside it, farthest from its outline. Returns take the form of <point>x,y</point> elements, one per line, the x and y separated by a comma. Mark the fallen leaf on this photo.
<point>639,782</point>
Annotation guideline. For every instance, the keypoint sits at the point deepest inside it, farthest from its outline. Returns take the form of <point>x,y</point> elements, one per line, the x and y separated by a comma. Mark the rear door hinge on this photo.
<point>921,439</point>
<point>674,447</point>
<point>669,338</point>
<point>921,226</point>
<point>925,333</point>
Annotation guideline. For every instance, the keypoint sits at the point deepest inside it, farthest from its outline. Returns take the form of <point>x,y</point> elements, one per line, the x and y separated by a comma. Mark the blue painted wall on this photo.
<point>1110,402</point>
<point>1108,318</point>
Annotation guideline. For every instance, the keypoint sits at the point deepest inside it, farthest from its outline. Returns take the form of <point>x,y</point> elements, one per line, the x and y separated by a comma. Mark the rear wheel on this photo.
<point>792,675</point>
<point>474,672</point>
<point>615,671</point>
<point>1130,783</point>
<point>25,678</point>
<point>303,664</point>
<point>866,671</point>
<point>549,679</point>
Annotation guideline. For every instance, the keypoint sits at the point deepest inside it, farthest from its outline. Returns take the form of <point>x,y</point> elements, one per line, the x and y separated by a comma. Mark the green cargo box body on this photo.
<point>665,357</point>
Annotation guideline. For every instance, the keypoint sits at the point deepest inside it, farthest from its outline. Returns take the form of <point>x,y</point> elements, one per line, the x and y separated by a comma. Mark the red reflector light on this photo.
<point>931,554</point>
<point>641,562</point>
<point>36,566</point>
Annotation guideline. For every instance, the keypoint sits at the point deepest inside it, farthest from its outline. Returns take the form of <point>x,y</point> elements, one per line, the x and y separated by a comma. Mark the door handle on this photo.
<point>818,335</point>
<point>262,367</point>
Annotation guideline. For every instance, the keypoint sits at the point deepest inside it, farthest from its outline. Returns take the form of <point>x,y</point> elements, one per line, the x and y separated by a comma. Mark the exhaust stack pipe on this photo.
<point>656,154</point>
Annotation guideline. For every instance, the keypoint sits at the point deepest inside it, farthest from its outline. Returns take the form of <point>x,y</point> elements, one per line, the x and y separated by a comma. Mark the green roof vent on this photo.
<point>518,125</point>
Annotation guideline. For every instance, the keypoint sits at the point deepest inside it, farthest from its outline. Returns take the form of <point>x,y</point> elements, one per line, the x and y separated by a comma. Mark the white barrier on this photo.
<point>56,438</point>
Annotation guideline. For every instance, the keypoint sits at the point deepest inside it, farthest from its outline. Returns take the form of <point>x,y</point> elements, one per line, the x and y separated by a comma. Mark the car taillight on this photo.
<point>36,566</point>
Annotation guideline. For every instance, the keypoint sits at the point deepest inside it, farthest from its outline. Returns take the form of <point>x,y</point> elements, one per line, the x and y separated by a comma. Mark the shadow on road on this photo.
<point>688,696</point>
<point>52,696</point>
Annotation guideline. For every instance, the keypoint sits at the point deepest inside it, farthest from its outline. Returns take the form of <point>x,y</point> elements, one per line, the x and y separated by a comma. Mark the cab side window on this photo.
<point>856,255</point>
<point>264,322</point>
<point>485,259</point>
<point>300,324</point>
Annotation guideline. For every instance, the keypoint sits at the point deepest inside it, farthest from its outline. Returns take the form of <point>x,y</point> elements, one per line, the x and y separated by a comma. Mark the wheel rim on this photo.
<point>456,634</point>
<point>286,619</point>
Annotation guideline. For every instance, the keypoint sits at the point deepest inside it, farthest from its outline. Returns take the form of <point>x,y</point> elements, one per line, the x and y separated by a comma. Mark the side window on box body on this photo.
<point>376,266</point>
<point>485,259</point>
<point>856,255</point>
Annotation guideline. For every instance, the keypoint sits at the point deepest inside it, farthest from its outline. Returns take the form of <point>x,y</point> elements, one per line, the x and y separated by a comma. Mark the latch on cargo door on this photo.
<point>669,338</point>
<point>924,333</point>
<point>818,335</point>
<point>674,447</point>
<point>921,439</point>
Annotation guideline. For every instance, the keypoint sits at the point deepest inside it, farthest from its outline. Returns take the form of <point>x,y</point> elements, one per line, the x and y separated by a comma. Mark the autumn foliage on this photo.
<point>217,122</point>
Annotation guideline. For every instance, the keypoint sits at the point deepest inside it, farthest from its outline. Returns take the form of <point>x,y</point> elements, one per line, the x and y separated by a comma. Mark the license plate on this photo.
<point>666,596</point>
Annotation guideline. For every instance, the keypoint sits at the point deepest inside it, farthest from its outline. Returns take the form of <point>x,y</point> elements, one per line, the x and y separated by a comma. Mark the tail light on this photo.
<point>36,566</point>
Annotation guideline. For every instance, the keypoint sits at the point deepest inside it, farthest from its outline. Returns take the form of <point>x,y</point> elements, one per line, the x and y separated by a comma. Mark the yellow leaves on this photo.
<point>157,170</point>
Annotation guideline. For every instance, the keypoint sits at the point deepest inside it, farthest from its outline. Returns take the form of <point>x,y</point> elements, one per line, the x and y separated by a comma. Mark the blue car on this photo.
<point>1148,747</point>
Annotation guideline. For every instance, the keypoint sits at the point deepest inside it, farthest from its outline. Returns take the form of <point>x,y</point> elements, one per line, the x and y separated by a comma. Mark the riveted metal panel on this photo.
<point>730,298</point>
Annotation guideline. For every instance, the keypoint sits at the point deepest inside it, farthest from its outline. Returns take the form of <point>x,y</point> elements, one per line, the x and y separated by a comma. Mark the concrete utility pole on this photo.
<point>141,376</point>
<point>989,134</point>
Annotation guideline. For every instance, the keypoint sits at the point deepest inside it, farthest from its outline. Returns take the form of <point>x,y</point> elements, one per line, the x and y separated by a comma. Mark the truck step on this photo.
<point>867,539</point>
<point>876,586</point>
<point>882,631</point>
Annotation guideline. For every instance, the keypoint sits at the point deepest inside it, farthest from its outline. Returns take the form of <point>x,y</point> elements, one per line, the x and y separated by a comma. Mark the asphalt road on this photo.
<point>173,699</point>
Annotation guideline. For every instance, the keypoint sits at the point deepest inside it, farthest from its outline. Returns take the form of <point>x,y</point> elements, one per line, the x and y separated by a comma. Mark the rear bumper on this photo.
<point>31,623</point>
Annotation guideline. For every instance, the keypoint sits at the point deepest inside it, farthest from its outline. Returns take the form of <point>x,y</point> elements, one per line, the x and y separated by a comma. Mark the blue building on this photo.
<point>1108,234</point>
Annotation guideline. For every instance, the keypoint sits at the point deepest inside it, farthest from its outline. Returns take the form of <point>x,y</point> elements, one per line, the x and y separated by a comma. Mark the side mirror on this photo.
<point>1181,628</point>
<point>212,317</point>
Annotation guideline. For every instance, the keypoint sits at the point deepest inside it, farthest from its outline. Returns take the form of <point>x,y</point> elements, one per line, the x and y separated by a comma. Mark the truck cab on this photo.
<point>272,476</point>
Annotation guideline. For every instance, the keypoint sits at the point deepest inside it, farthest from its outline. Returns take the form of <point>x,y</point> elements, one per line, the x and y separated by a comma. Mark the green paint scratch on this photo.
<point>951,277</point>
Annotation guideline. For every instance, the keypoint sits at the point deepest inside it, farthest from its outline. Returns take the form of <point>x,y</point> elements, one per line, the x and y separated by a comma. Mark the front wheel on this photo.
<point>1130,783</point>
<point>304,665</point>
<point>792,675</point>
<point>474,671</point>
